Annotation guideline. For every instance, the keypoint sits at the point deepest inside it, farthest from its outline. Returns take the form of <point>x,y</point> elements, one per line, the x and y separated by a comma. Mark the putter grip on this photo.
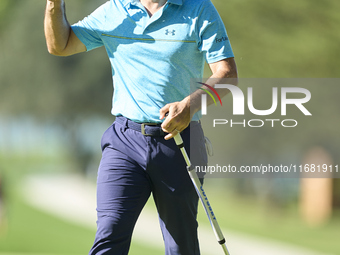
<point>178,140</point>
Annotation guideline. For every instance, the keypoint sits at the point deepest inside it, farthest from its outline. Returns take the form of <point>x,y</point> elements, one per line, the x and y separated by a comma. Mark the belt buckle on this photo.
<point>143,128</point>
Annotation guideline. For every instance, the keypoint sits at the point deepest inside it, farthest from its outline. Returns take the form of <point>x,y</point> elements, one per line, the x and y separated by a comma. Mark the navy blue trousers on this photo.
<point>132,167</point>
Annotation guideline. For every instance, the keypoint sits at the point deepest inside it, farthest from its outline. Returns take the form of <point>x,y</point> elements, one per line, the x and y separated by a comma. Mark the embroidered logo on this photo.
<point>168,32</point>
<point>222,39</point>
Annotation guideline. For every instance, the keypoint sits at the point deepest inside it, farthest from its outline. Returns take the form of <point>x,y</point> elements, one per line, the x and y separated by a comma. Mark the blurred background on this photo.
<point>54,110</point>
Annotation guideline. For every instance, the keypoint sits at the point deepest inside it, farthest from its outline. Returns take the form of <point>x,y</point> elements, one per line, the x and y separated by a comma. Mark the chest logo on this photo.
<point>170,32</point>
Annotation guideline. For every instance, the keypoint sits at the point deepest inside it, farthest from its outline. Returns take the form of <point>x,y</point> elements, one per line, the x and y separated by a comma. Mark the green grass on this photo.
<point>31,231</point>
<point>139,249</point>
<point>248,215</point>
<point>35,232</point>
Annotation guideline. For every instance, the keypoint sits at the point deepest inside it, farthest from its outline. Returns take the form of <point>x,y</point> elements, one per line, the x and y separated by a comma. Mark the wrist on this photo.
<point>194,103</point>
<point>190,104</point>
<point>55,7</point>
<point>55,4</point>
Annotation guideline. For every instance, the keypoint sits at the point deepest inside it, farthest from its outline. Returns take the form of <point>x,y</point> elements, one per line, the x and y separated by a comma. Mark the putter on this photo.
<point>201,194</point>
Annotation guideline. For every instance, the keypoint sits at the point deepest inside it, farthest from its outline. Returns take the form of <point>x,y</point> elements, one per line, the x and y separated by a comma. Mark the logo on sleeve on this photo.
<point>222,39</point>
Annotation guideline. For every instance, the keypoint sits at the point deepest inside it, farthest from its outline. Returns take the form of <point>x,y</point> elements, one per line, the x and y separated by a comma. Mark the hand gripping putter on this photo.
<point>201,194</point>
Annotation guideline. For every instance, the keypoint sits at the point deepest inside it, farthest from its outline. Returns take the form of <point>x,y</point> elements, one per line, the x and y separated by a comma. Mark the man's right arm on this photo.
<point>60,39</point>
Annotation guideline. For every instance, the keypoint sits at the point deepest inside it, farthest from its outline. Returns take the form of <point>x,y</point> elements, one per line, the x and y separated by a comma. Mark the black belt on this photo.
<point>147,129</point>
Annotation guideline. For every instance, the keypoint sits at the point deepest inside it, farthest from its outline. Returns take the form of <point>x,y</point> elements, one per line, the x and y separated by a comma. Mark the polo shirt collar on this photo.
<point>178,2</point>
<point>126,2</point>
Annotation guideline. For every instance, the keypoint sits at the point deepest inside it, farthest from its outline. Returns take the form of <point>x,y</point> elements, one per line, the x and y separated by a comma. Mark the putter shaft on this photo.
<point>202,195</point>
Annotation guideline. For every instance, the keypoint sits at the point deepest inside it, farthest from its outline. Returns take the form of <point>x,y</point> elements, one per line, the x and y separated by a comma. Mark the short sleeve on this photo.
<point>213,39</point>
<point>89,29</point>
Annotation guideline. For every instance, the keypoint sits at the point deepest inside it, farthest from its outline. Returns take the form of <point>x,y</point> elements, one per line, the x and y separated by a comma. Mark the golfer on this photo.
<point>155,48</point>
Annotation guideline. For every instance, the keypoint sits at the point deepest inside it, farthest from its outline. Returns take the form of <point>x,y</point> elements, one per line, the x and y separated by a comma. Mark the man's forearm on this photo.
<point>179,114</point>
<point>57,29</point>
<point>219,76</point>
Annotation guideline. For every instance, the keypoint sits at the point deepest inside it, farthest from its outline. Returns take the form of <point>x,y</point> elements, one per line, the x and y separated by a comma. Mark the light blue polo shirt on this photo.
<point>154,58</point>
